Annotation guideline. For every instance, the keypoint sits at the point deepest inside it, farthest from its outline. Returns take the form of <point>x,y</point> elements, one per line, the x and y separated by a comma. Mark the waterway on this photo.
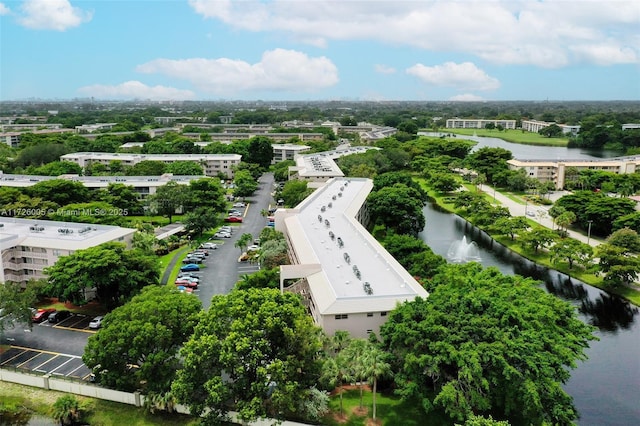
<point>535,152</point>
<point>605,387</point>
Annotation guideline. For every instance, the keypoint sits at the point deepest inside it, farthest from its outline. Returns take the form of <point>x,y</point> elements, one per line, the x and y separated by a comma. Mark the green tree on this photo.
<point>117,274</point>
<point>510,226</point>
<point>376,367</point>
<point>60,191</point>
<point>264,278</point>
<point>185,168</point>
<point>537,239</point>
<point>619,266</point>
<point>564,220</point>
<point>281,170</point>
<point>444,182</point>
<point>625,238</point>
<point>57,168</point>
<point>206,192</point>
<point>200,220</point>
<point>147,168</point>
<point>260,151</point>
<point>15,304</point>
<point>293,192</point>
<point>246,185</point>
<point>398,208</point>
<point>487,342</point>
<point>256,348</point>
<point>137,346</point>
<point>243,242</point>
<point>169,199</point>
<point>551,131</point>
<point>355,354</point>
<point>336,372</point>
<point>66,410</point>
<point>121,196</point>
<point>572,251</point>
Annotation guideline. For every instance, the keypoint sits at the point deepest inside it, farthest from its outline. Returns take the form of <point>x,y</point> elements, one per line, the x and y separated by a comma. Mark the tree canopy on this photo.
<point>484,342</point>
<point>137,345</point>
<point>257,349</point>
<point>398,208</point>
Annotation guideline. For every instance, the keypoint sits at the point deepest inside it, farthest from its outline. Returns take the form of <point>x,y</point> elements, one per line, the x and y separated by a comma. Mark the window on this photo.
<point>341,316</point>
<point>369,314</point>
<point>383,314</point>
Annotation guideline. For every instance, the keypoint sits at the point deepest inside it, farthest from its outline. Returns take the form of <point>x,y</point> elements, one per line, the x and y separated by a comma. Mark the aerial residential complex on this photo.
<point>346,278</point>
<point>28,246</point>
<point>212,164</point>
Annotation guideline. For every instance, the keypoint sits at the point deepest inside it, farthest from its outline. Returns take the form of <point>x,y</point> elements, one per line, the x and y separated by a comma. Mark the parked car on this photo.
<point>220,234</point>
<point>209,246</point>
<point>192,279</point>
<point>190,267</point>
<point>59,316</point>
<point>227,228</point>
<point>96,322</point>
<point>253,248</point>
<point>42,314</point>
<point>192,259</point>
<point>234,219</point>
<point>239,205</point>
<point>186,283</point>
<point>200,252</point>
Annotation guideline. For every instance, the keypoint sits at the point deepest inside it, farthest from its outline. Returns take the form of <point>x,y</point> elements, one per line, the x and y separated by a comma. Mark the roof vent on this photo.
<point>332,235</point>
<point>340,242</point>
<point>319,218</point>
<point>36,228</point>
<point>347,258</point>
<point>357,271</point>
<point>327,223</point>
<point>367,288</point>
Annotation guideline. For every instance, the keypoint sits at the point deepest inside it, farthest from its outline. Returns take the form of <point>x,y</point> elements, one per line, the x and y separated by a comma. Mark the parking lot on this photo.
<point>74,322</point>
<point>45,362</point>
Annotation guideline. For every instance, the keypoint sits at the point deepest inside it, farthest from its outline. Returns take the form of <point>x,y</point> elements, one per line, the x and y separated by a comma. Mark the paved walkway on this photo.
<point>536,213</point>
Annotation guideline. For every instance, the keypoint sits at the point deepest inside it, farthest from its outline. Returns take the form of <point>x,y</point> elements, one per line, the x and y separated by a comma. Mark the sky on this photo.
<point>308,50</point>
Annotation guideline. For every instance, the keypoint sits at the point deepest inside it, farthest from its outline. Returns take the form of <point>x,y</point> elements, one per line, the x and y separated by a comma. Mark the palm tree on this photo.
<point>375,368</point>
<point>355,354</point>
<point>66,410</point>
<point>335,372</point>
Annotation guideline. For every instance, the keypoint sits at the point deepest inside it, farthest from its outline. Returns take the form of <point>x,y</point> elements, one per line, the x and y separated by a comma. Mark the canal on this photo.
<point>605,387</point>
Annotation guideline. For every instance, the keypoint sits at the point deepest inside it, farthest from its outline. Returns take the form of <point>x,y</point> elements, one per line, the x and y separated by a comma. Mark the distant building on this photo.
<point>288,151</point>
<point>12,139</point>
<point>535,126</point>
<point>143,185</point>
<point>347,280</point>
<point>93,128</point>
<point>212,164</point>
<point>472,123</point>
<point>319,167</point>
<point>29,246</point>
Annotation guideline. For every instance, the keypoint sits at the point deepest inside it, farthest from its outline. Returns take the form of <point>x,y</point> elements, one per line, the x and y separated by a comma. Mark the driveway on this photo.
<point>221,269</point>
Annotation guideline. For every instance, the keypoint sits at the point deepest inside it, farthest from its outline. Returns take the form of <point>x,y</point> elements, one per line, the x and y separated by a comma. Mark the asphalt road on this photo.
<point>221,269</point>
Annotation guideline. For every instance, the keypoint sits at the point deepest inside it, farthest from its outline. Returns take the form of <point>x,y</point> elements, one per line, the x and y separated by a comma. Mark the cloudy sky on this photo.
<point>320,50</point>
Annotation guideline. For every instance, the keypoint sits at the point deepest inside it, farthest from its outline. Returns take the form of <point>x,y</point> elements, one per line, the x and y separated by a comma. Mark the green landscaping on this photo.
<point>98,412</point>
<point>515,136</point>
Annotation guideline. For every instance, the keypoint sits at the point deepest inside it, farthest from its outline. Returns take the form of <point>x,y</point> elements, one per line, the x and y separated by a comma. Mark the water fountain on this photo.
<point>463,251</point>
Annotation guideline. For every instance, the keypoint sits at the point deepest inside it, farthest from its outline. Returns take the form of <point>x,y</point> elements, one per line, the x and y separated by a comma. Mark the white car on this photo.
<point>221,234</point>
<point>209,246</point>
<point>253,248</point>
<point>239,205</point>
<point>96,322</point>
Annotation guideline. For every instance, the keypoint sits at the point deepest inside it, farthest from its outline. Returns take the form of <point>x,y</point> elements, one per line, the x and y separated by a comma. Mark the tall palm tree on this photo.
<point>336,372</point>
<point>355,356</point>
<point>375,368</point>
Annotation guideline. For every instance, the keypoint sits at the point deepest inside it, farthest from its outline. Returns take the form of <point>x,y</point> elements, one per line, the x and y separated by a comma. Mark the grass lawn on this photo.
<point>515,136</point>
<point>104,413</point>
<point>391,410</point>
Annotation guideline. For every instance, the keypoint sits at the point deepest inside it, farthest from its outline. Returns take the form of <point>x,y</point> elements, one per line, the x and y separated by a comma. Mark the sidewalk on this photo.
<point>540,214</point>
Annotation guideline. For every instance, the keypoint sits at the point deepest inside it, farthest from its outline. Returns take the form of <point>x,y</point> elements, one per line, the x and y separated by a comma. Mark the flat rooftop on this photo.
<point>55,234</point>
<point>338,289</point>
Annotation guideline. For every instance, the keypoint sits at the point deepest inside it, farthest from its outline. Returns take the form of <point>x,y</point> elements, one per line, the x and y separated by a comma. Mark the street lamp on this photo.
<point>526,204</point>
<point>589,232</point>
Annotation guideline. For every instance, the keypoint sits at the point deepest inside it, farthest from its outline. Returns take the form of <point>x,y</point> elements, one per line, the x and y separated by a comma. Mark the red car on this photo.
<point>42,314</point>
<point>186,283</point>
<point>236,219</point>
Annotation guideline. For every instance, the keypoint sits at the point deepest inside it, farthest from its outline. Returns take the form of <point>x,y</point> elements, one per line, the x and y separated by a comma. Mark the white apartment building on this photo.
<point>347,279</point>
<point>287,151</point>
<point>472,123</point>
<point>555,171</point>
<point>535,126</point>
<point>212,164</point>
<point>29,246</point>
<point>319,167</point>
<point>12,139</point>
<point>92,128</point>
<point>143,185</point>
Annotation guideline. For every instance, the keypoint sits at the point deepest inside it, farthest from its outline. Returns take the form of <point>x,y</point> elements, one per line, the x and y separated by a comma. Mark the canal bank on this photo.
<point>605,385</point>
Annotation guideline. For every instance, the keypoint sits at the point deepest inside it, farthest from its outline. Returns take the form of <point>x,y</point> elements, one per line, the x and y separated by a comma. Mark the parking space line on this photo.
<point>54,370</point>
<point>37,368</point>
<point>38,353</point>
<point>75,329</point>
<point>46,352</point>
<point>14,357</point>
<point>74,370</point>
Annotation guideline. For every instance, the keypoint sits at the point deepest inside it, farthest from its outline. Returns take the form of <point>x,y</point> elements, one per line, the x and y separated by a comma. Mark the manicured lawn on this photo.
<point>515,136</point>
<point>100,412</point>
<point>391,410</point>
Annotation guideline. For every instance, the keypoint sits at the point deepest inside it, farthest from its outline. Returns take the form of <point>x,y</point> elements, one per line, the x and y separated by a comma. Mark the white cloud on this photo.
<point>57,15</point>
<point>384,69</point>
<point>461,76</point>
<point>278,70</point>
<point>136,90</point>
<point>467,97</point>
<point>605,53</point>
<point>546,33</point>
<point>4,10</point>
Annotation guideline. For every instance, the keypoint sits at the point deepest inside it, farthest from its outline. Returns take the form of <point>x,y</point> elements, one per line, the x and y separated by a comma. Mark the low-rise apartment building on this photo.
<point>143,185</point>
<point>29,246</point>
<point>287,151</point>
<point>348,281</point>
<point>535,126</point>
<point>478,123</point>
<point>319,167</point>
<point>212,164</point>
